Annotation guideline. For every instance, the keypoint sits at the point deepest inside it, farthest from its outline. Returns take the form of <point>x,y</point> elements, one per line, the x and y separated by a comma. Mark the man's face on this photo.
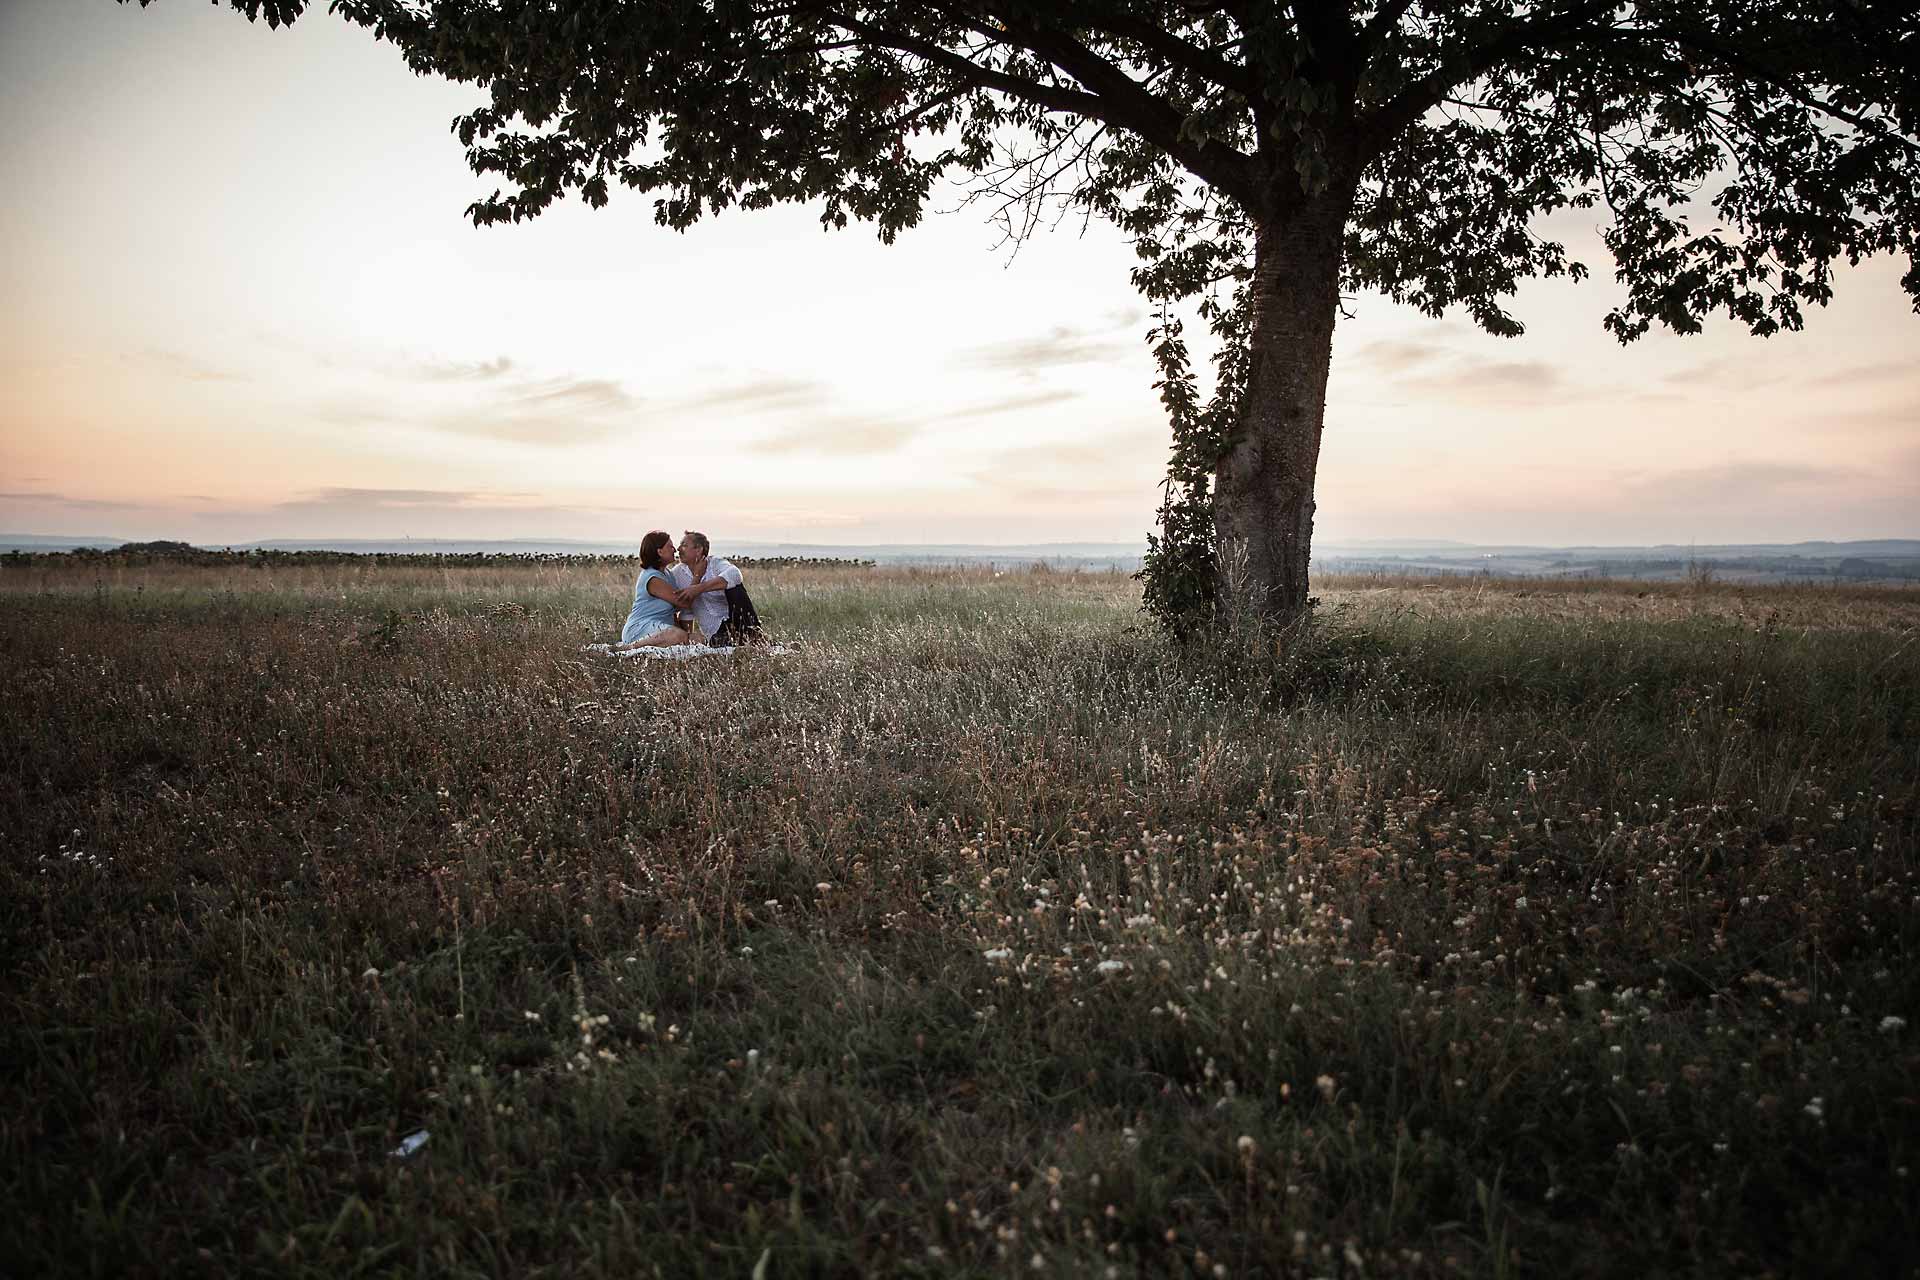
<point>690,552</point>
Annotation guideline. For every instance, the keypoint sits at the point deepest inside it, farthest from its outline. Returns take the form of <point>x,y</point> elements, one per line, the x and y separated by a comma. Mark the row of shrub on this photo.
<point>169,552</point>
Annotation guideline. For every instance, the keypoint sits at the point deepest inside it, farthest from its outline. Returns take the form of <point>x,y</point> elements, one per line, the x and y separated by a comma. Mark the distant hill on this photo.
<point>1889,560</point>
<point>55,542</point>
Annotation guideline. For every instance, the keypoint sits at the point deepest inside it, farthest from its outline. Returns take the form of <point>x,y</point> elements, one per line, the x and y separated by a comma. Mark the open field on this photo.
<point>1496,928</point>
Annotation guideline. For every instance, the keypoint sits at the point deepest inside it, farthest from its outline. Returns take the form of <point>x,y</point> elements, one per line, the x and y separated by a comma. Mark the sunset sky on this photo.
<point>240,300</point>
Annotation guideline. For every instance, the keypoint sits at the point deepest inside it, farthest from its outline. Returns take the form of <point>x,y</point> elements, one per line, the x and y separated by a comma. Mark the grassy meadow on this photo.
<point>1494,928</point>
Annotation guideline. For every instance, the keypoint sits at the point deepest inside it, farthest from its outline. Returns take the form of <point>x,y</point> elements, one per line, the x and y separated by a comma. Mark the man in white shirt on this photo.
<point>706,582</point>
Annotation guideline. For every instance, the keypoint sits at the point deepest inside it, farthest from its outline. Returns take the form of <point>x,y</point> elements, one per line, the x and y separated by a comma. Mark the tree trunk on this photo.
<point>1263,486</point>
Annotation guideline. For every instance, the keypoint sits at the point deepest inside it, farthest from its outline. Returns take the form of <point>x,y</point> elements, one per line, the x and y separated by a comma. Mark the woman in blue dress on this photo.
<point>650,622</point>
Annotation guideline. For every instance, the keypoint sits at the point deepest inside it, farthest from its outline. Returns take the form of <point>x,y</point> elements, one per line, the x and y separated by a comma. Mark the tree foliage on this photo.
<point>1733,152</point>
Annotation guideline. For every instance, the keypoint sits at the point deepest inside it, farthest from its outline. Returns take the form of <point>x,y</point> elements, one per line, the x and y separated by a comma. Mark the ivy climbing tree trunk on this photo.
<point>1263,484</point>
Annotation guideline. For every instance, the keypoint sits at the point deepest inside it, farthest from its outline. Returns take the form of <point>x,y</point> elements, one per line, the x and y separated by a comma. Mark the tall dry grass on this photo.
<point>1488,929</point>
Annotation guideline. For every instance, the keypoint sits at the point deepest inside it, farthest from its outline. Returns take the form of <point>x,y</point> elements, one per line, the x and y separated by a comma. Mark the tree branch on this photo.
<point>1782,82</point>
<point>1050,97</point>
<point>1385,19</point>
<point>1130,106</point>
<point>1428,91</point>
<point>1204,63</point>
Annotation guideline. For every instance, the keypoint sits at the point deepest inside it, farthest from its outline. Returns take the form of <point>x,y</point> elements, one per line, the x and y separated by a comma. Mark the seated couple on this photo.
<point>669,597</point>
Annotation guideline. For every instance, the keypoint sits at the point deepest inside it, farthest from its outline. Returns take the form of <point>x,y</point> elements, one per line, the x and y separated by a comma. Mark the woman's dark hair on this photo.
<point>651,547</point>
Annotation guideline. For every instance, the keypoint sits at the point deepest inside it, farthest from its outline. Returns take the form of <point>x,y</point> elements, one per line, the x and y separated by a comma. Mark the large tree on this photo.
<point>1263,157</point>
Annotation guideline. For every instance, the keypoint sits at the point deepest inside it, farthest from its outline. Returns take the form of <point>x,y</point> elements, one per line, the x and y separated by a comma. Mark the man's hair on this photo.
<point>699,540</point>
<point>652,548</point>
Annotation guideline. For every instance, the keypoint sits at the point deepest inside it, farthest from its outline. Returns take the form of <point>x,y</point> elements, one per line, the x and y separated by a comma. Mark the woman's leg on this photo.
<point>660,638</point>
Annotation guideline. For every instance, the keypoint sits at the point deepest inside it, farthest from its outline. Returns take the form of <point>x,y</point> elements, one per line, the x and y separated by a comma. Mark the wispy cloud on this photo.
<point>1117,467</point>
<point>1487,377</point>
<point>549,411</point>
<point>1076,496</point>
<point>1123,449</point>
<point>399,499</point>
<point>797,517</point>
<point>1902,414</point>
<point>1724,372</point>
<point>179,365</point>
<point>1397,355</point>
<point>756,394</point>
<point>837,437</point>
<point>1058,347</point>
<point>1010,404</point>
<point>65,500</point>
<point>1434,368</point>
<point>1874,372</point>
<point>496,399</point>
<point>1739,482</point>
<point>458,370</point>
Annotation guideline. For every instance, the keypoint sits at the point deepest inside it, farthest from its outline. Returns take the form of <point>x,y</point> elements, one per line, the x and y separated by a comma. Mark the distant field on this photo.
<point>1495,927</point>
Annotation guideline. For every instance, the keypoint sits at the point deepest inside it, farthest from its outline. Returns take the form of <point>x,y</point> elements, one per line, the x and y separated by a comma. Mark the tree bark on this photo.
<point>1263,485</point>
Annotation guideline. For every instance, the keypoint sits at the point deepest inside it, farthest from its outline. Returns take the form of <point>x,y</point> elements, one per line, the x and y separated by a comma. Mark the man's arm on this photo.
<point>679,579</point>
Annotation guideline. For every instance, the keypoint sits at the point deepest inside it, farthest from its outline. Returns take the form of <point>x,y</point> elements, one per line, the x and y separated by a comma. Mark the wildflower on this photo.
<point>1326,1086</point>
<point>1892,1023</point>
<point>1110,966</point>
<point>999,955</point>
<point>1816,1107</point>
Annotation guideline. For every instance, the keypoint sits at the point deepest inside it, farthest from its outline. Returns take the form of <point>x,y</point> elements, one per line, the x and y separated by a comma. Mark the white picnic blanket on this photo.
<point>681,652</point>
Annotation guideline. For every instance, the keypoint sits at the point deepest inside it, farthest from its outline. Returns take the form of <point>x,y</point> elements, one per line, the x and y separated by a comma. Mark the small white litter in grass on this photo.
<point>409,1144</point>
<point>1110,966</point>
<point>999,955</point>
<point>681,652</point>
<point>1892,1023</point>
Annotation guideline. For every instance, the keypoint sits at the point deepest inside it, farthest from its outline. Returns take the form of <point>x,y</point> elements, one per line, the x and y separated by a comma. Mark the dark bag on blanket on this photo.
<point>743,621</point>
